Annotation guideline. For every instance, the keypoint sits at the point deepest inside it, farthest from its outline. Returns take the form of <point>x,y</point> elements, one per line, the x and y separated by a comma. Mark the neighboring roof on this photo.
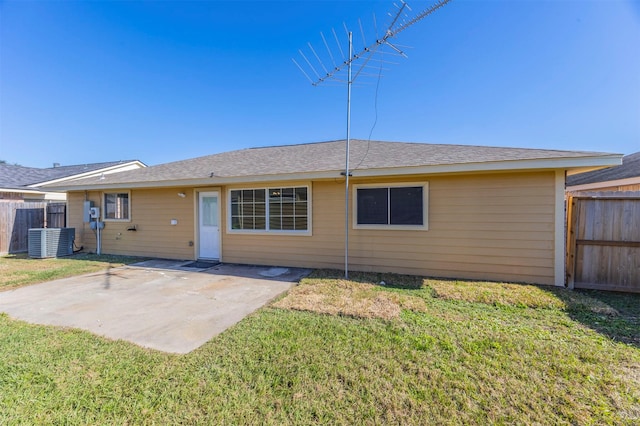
<point>630,168</point>
<point>21,177</point>
<point>327,160</point>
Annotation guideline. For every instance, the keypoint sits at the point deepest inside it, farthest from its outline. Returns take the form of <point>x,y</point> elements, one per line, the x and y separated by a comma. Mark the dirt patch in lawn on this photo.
<point>348,298</point>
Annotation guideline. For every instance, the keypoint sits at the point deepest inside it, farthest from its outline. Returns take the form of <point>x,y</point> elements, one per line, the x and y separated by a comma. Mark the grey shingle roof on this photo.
<point>17,177</point>
<point>323,157</point>
<point>629,168</point>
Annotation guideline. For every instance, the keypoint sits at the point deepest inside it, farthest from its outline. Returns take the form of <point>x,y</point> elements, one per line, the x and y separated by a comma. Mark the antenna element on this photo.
<point>399,22</point>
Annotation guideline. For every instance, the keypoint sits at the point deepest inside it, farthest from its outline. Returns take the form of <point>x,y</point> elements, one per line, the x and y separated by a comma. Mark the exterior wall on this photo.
<point>616,188</point>
<point>33,196</point>
<point>151,214</point>
<point>620,185</point>
<point>492,226</point>
<point>323,249</point>
<point>11,196</point>
<point>47,196</point>
<point>498,226</point>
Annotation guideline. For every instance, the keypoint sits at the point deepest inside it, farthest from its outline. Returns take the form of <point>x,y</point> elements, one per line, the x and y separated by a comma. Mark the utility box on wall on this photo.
<point>86,212</point>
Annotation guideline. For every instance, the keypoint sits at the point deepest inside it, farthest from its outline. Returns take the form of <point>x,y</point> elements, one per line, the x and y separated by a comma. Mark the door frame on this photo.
<point>196,212</point>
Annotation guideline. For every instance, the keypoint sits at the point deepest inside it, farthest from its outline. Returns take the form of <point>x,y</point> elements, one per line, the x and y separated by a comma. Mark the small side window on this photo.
<point>116,206</point>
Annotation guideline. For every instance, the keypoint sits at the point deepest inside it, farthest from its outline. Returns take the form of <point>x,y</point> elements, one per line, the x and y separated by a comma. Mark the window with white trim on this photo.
<point>248,209</point>
<point>270,209</point>
<point>400,206</point>
<point>116,206</point>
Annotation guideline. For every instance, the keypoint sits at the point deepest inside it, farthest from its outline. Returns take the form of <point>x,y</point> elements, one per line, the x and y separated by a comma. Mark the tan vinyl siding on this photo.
<point>497,226</point>
<point>316,250</point>
<point>84,235</point>
<point>151,214</point>
<point>492,226</point>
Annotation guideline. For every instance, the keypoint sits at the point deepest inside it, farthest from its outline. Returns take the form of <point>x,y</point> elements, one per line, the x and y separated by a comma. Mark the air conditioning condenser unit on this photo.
<point>51,242</point>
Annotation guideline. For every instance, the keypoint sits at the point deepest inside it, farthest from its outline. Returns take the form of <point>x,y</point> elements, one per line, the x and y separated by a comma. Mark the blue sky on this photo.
<point>84,82</point>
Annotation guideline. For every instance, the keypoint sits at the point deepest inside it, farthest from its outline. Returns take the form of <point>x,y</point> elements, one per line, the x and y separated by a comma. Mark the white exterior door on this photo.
<point>208,225</point>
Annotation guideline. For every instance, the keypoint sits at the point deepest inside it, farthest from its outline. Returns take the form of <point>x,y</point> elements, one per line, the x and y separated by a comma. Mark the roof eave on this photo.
<point>209,181</point>
<point>510,165</point>
<point>140,164</point>
<point>23,190</point>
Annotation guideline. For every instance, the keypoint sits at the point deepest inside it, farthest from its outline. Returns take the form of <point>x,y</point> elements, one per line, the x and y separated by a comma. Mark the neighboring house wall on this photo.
<point>494,226</point>
<point>616,188</point>
<point>32,196</point>
<point>11,196</point>
<point>623,177</point>
<point>622,185</point>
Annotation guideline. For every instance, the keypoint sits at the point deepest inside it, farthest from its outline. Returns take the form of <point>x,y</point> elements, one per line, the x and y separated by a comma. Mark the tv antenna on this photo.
<point>317,73</point>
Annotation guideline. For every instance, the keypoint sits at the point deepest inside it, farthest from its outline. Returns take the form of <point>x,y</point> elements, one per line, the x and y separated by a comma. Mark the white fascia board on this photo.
<point>605,184</point>
<point>536,164</point>
<point>55,196</point>
<point>213,181</point>
<point>515,165</point>
<point>106,170</point>
<point>559,249</point>
<point>21,191</point>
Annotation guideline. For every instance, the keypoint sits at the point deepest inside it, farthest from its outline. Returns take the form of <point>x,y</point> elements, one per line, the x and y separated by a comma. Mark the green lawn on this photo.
<point>332,351</point>
<point>17,270</point>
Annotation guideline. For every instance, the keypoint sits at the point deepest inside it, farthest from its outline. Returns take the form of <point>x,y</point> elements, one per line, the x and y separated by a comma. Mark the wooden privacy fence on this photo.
<point>16,217</point>
<point>603,241</point>
<point>56,215</point>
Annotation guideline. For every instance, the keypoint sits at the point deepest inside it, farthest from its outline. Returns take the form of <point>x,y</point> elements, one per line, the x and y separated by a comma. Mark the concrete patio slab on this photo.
<point>157,304</point>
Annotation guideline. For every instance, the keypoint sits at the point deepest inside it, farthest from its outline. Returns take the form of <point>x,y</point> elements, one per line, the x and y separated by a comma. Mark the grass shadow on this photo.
<point>91,257</point>
<point>615,315</point>
<point>612,314</point>
<point>387,280</point>
<point>17,270</point>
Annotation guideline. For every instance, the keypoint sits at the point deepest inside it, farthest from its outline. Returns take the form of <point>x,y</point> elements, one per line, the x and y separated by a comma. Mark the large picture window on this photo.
<point>396,206</point>
<point>116,206</point>
<point>270,209</point>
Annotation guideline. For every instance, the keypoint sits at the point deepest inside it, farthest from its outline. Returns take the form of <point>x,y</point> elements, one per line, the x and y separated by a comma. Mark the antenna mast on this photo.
<point>399,23</point>
<point>346,164</point>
